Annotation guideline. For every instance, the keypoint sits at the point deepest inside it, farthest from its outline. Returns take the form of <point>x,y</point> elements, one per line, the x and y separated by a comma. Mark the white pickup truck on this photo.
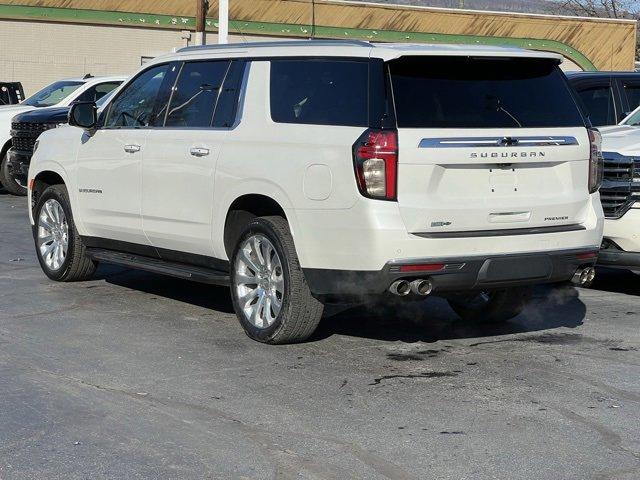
<point>620,194</point>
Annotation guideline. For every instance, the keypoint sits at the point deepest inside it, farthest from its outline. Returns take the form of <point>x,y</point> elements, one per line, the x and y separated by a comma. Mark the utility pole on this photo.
<point>223,21</point>
<point>202,6</point>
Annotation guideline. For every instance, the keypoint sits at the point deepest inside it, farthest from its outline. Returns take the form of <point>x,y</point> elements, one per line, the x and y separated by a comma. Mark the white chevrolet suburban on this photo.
<point>302,173</point>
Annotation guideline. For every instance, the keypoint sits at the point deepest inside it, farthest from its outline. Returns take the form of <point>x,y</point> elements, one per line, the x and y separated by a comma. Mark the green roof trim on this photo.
<point>130,19</point>
<point>395,36</point>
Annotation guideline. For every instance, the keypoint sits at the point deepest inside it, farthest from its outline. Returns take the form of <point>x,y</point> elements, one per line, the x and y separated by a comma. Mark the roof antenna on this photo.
<point>88,75</point>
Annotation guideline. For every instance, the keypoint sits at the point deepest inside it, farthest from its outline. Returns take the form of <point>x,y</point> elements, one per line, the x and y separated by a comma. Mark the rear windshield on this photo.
<point>462,92</point>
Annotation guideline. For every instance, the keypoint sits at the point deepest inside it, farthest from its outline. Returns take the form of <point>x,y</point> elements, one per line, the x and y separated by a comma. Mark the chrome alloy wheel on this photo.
<point>53,234</point>
<point>259,281</point>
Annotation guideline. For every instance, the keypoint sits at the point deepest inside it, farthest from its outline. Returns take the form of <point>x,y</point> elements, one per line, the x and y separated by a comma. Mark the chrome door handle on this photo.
<point>199,152</point>
<point>132,148</point>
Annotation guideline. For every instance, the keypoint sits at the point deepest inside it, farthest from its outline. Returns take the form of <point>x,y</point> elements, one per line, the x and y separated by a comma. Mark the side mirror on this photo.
<point>83,115</point>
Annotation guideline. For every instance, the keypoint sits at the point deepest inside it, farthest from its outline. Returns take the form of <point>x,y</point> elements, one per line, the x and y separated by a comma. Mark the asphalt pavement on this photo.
<point>133,375</point>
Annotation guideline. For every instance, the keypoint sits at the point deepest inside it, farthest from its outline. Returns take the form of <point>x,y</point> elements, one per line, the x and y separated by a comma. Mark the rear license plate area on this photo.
<point>503,180</point>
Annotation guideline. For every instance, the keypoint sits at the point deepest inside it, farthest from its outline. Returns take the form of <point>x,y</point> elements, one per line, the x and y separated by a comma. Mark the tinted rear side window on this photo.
<point>321,92</point>
<point>461,92</point>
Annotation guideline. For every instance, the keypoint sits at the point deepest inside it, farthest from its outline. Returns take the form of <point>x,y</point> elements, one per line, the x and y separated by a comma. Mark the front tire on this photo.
<point>493,306</point>
<point>59,248</point>
<point>269,292</point>
<point>7,179</point>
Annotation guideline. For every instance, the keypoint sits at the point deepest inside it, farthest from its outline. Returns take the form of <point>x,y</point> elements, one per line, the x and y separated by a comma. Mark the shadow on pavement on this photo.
<point>432,320</point>
<point>427,321</point>
<point>617,281</point>
<point>207,296</point>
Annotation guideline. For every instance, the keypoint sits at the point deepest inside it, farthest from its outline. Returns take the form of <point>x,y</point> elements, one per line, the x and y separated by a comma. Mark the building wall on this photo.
<point>604,44</point>
<point>37,53</point>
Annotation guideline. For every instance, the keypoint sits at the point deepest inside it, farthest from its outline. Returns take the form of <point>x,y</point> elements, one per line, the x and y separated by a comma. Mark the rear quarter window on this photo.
<point>319,91</point>
<point>463,92</point>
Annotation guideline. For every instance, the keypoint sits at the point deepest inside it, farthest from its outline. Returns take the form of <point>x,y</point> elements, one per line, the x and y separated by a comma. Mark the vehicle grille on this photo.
<point>620,185</point>
<point>25,134</point>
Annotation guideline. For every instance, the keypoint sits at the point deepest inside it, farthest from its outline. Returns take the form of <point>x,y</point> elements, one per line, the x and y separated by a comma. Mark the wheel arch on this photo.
<point>3,153</point>
<point>244,208</point>
<point>5,148</point>
<point>43,180</point>
<point>46,176</point>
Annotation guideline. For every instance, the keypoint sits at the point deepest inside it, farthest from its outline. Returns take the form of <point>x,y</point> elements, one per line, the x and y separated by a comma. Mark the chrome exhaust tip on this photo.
<point>400,288</point>
<point>584,276</point>
<point>421,287</point>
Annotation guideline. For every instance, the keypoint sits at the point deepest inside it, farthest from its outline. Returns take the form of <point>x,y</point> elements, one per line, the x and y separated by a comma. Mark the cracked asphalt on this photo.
<point>133,375</point>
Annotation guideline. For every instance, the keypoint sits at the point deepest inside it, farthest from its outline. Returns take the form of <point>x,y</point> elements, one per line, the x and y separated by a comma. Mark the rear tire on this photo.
<point>269,292</point>
<point>59,248</point>
<point>491,307</point>
<point>9,182</point>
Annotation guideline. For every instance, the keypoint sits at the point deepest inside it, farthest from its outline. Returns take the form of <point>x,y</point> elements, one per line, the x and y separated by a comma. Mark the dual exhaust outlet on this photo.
<point>420,286</point>
<point>584,276</point>
<point>423,287</point>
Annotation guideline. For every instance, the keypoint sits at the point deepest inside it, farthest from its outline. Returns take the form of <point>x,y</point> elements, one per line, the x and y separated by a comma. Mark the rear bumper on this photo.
<point>617,258</point>
<point>367,236</point>
<point>625,231</point>
<point>458,274</point>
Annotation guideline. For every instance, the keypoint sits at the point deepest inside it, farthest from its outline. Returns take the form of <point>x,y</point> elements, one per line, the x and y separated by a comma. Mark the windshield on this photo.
<point>633,119</point>
<point>52,94</point>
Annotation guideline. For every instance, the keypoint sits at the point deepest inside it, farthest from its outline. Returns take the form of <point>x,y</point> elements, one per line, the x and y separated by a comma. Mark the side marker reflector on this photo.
<point>587,255</point>
<point>424,267</point>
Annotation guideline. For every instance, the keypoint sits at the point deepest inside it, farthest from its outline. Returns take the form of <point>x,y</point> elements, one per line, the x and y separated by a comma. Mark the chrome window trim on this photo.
<point>238,116</point>
<point>478,142</point>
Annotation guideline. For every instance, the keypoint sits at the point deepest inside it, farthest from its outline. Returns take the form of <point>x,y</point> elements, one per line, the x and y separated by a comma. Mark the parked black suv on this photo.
<point>607,96</point>
<point>25,129</point>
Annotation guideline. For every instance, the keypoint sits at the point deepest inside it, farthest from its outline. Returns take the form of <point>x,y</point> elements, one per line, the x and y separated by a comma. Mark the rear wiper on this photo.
<point>499,108</point>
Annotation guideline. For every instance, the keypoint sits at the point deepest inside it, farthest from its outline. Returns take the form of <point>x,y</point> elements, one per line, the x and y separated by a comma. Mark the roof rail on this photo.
<point>280,43</point>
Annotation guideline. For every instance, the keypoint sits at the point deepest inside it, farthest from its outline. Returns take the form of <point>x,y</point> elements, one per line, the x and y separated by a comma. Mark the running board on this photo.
<point>163,267</point>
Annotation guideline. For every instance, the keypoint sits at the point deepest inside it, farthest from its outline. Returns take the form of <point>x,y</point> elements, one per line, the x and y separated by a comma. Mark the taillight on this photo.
<point>596,162</point>
<point>375,158</point>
